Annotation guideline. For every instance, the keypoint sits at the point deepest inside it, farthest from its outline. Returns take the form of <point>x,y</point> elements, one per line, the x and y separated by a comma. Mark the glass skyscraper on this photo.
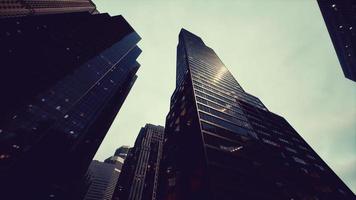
<point>63,79</point>
<point>122,151</point>
<point>223,143</point>
<point>340,19</point>
<point>139,177</point>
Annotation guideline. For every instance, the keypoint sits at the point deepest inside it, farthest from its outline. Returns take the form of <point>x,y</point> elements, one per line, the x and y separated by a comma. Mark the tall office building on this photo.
<point>127,171</point>
<point>340,19</point>
<point>223,143</point>
<point>139,177</point>
<point>13,8</point>
<point>122,151</point>
<point>119,157</point>
<point>103,177</point>
<point>64,78</point>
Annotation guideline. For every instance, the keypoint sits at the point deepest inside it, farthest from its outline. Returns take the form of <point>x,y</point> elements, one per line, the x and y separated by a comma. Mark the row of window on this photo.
<point>217,86</point>
<point>216,101</point>
<point>215,89</point>
<point>226,109</point>
<point>236,118</point>
<point>204,87</point>
<point>219,76</point>
<point>252,100</point>
<point>212,81</point>
<point>209,68</point>
<point>232,101</point>
<point>223,131</point>
<point>224,123</point>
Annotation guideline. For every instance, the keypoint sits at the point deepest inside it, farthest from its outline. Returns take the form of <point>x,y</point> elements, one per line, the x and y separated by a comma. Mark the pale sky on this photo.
<point>278,50</point>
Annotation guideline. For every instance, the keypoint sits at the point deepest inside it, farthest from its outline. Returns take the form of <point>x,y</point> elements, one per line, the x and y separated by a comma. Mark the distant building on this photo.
<point>139,177</point>
<point>127,172</point>
<point>119,156</point>
<point>340,19</point>
<point>223,143</point>
<point>13,8</point>
<point>122,151</point>
<point>65,77</point>
<point>117,160</point>
<point>103,178</point>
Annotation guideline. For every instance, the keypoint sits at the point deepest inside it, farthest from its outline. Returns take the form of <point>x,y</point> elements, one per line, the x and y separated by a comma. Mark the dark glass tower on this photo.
<point>119,156</point>
<point>139,177</point>
<point>13,8</point>
<point>223,143</point>
<point>64,78</point>
<point>122,151</point>
<point>340,19</point>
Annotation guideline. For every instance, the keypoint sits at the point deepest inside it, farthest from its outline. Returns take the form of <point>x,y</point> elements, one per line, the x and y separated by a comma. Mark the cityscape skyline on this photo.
<point>296,107</point>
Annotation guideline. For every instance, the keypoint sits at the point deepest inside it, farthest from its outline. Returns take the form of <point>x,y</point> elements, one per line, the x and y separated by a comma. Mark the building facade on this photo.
<point>102,180</point>
<point>119,157</point>
<point>13,8</point>
<point>118,160</point>
<point>102,177</point>
<point>223,143</point>
<point>122,151</point>
<point>340,19</point>
<point>139,178</point>
<point>65,77</point>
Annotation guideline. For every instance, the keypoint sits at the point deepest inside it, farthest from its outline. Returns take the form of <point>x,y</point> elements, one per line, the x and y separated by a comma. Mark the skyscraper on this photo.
<point>103,178</point>
<point>122,151</point>
<point>139,177</point>
<point>119,156</point>
<point>13,8</point>
<point>340,19</point>
<point>65,77</point>
<point>223,143</point>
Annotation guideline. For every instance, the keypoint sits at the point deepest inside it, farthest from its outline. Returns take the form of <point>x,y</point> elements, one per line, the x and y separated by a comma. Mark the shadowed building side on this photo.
<point>66,77</point>
<point>340,19</point>
<point>139,177</point>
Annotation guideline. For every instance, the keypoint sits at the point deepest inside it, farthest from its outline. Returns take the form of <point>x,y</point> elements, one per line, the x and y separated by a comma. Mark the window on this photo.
<point>283,140</point>
<point>270,142</point>
<point>311,157</point>
<point>235,118</point>
<point>230,148</point>
<point>222,131</point>
<point>223,123</point>
<point>303,147</point>
<point>291,149</point>
<point>320,167</point>
<point>299,160</point>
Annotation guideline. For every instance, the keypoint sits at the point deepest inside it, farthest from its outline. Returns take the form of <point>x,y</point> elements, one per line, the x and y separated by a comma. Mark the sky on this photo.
<point>278,50</point>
